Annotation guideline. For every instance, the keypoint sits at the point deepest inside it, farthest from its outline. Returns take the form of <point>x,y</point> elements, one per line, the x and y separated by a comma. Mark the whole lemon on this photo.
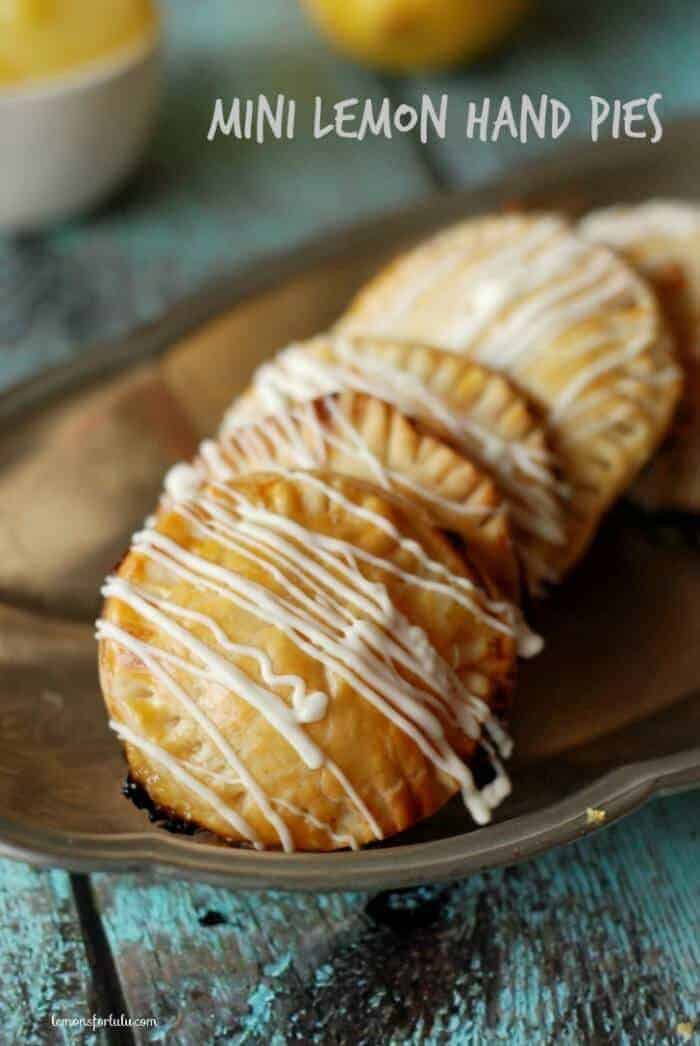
<point>406,36</point>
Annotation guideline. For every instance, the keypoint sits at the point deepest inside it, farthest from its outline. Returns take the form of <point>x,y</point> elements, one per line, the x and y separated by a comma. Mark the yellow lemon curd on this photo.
<point>41,39</point>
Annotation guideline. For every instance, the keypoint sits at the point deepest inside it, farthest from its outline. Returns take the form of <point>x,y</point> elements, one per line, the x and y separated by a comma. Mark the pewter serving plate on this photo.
<point>608,717</point>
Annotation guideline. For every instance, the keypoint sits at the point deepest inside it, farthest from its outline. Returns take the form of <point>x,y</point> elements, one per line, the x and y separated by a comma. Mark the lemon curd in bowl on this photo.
<point>41,39</point>
<point>78,95</point>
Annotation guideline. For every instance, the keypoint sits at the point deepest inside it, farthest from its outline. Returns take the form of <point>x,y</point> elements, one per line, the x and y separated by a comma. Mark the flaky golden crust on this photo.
<point>354,434</point>
<point>255,577</point>
<point>661,238</point>
<point>565,319</point>
<point>470,408</point>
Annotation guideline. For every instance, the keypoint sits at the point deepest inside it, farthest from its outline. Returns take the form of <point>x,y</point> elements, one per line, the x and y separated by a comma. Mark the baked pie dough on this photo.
<point>565,319</point>
<point>293,661</point>
<point>467,406</point>
<point>661,238</point>
<point>354,434</point>
<point>293,652</point>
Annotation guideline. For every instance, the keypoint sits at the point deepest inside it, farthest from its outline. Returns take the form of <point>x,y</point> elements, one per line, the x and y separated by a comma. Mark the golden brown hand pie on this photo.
<point>467,406</point>
<point>565,319</point>
<point>293,661</point>
<point>357,435</point>
<point>662,240</point>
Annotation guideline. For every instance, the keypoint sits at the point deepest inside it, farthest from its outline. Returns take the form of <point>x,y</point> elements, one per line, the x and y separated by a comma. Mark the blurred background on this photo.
<point>191,211</point>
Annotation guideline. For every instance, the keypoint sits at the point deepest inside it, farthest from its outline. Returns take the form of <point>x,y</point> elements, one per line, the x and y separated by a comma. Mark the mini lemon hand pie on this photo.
<point>662,240</point>
<point>357,435</point>
<point>294,661</point>
<point>312,643</point>
<point>467,406</point>
<point>565,319</point>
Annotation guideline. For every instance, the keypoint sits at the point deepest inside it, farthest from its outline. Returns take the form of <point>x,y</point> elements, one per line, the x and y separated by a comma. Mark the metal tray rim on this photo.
<point>619,792</point>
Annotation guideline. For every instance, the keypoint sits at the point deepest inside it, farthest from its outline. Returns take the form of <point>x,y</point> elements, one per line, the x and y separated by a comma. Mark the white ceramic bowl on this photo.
<point>66,144</point>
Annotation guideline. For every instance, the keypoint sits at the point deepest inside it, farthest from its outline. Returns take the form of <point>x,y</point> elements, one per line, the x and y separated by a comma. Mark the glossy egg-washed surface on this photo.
<point>356,434</point>
<point>471,409</point>
<point>595,943</point>
<point>295,661</point>
<point>661,238</point>
<point>564,319</point>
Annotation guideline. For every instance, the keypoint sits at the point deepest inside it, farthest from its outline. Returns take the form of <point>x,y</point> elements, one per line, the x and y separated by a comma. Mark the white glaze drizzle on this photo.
<point>455,586</point>
<point>176,768</point>
<point>629,226</point>
<point>322,826</point>
<point>452,258</point>
<point>364,651</point>
<point>148,654</point>
<point>375,607</point>
<point>275,712</point>
<point>277,438</point>
<point>299,375</point>
<point>536,284</point>
<point>343,840</point>
<point>291,808</point>
<point>308,707</point>
<point>493,295</point>
<point>183,480</point>
<point>459,588</point>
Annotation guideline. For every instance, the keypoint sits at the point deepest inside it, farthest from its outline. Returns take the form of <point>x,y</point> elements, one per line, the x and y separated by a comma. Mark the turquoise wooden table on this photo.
<point>596,943</point>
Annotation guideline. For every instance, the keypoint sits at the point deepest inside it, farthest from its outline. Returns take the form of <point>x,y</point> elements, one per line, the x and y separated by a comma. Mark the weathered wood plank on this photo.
<point>197,208</point>
<point>596,943</point>
<point>569,51</point>
<point>44,969</point>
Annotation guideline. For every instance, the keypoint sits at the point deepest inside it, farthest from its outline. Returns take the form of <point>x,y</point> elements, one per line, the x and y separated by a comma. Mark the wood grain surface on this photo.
<point>597,943</point>
<point>44,965</point>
